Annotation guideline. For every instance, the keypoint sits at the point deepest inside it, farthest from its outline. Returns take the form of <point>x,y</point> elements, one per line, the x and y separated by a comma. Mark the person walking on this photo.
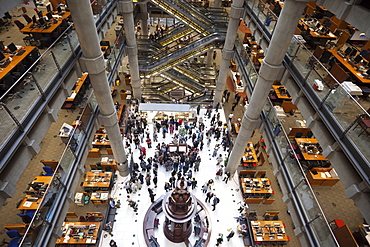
<point>147,179</point>
<point>205,187</point>
<point>220,239</point>
<point>198,110</point>
<point>155,181</point>
<point>155,137</point>
<point>193,183</point>
<point>209,196</point>
<point>127,187</point>
<point>231,234</point>
<point>226,177</point>
<point>151,195</point>
<point>215,202</point>
<point>167,186</point>
<point>219,160</point>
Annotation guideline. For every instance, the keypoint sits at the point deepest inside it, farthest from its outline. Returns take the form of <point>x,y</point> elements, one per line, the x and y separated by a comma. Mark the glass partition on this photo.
<point>302,189</point>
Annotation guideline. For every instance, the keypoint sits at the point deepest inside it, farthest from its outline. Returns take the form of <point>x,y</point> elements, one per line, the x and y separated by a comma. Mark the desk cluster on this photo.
<point>79,233</point>
<point>14,61</point>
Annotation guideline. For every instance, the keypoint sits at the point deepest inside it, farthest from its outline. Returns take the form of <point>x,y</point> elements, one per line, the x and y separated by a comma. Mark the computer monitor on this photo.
<point>49,15</point>
<point>34,20</point>
<point>2,56</point>
<point>318,25</point>
<point>59,9</point>
<point>42,21</point>
<point>358,59</point>
<point>353,53</point>
<point>12,47</point>
<point>39,14</point>
<point>348,51</point>
<point>365,63</point>
<point>48,8</point>
<point>327,23</point>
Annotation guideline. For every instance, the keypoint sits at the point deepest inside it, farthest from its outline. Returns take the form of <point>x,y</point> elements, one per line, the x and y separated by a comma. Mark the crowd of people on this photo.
<point>164,133</point>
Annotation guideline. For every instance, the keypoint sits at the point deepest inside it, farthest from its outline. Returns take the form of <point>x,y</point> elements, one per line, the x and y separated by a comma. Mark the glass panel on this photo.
<point>343,107</point>
<point>302,60</point>
<point>7,125</point>
<point>324,234</point>
<point>20,102</point>
<point>45,70</point>
<point>62,51</point>
<point>317,79</point>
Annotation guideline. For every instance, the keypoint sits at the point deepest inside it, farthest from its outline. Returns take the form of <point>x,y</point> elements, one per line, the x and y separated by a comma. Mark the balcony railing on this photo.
<point>343,109</point>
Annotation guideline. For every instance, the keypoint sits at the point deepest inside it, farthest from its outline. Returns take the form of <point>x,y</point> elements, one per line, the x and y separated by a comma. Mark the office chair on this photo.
<point>325,57</point>
<point>48,170</point>
<point>15,237</point>
<point>309,134</point>
<point>19,24</point>
<point>299,134</point>
<point>27,18</point>
<point>25,218</point>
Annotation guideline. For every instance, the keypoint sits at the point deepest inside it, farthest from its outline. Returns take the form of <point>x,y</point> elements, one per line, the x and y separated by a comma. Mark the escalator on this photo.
<point>169,58</point>
<point>183,80</point>
<point>187,14</point>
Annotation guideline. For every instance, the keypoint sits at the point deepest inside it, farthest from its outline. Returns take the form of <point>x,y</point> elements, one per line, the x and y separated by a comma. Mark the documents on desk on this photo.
<point>351,88</point>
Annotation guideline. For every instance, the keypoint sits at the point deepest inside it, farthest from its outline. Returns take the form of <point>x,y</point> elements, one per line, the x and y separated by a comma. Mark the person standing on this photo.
<point>151,195</point>
<point>112,243</point>
<point>155,137</point>
<point>209,196</point>
<point>215,202</point>
<point>149,142</point>
<point>231,115</point>
<point>198,110</point>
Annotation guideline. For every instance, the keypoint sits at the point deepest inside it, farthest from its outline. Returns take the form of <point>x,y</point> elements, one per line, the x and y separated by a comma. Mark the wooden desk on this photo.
<point>79,84</point>
<point>97,181</point>
<point>314,34</point>
<point>53,26</point>
<point>237,127</point>
<point>120,111</point>
<point>309,156</point>
<point>250,155</point>
<point>30,205</point>
<point>99,197</point>
<point>15,60</point>
<point>86,236</point>
<point>323,176</point>
<point>278,91</point>
<point>262,229</point>
<point>263,183</point>
<point>100,140</point>
<point>349,67</point>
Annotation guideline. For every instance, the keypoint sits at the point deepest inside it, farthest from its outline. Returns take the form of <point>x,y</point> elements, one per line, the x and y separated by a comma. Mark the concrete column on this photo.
<point>131,48</point>
<point>218,3</point>
<point>92,56</point>
<point>228,52</point>
<point>209,58</point>
<point>144,19</point>
<point>269,71</point>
